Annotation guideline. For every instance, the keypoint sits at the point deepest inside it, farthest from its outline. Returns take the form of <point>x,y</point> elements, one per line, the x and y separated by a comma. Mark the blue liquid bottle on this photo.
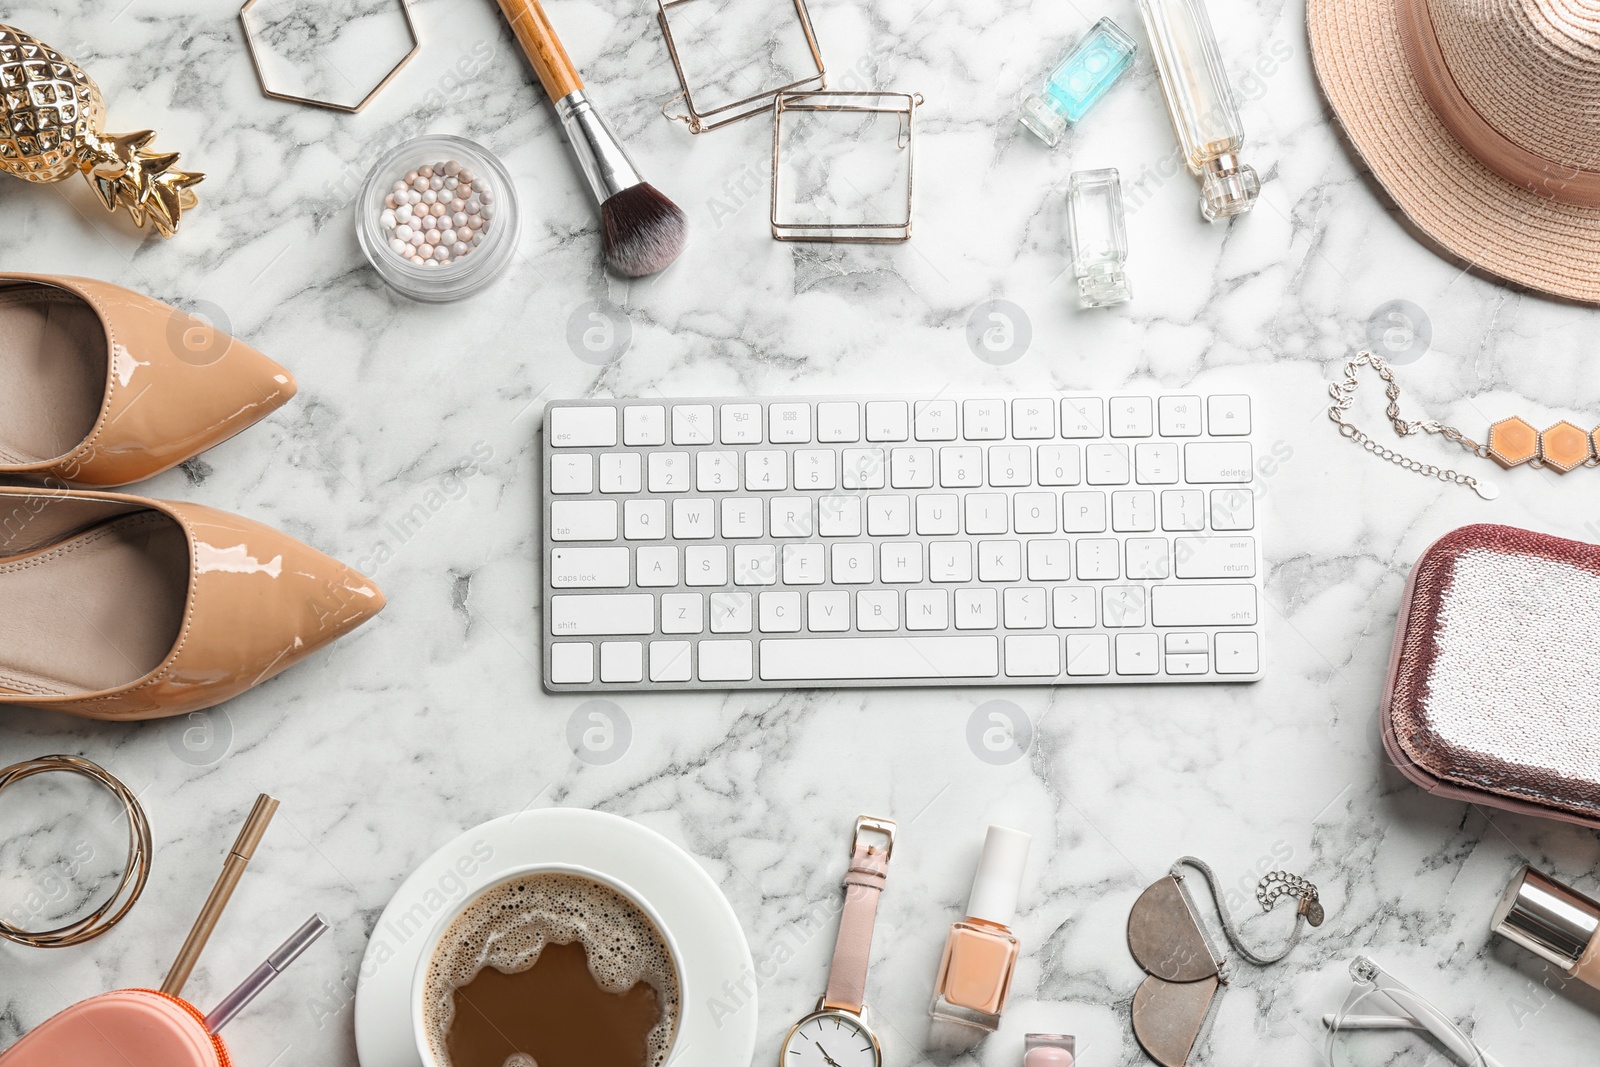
<point>1087,74</point>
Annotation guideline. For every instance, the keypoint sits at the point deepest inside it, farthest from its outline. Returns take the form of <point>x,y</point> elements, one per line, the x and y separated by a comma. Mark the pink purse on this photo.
<point>1492,694</point>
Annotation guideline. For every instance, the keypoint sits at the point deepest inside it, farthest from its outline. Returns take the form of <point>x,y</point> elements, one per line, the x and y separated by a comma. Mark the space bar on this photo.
<point>819,659</point>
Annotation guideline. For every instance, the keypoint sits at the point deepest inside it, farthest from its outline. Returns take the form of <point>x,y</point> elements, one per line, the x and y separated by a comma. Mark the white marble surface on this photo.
<point>432,719</point>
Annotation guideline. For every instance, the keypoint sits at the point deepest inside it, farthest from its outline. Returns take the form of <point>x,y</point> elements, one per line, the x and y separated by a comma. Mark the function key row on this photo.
<point>850,421</point>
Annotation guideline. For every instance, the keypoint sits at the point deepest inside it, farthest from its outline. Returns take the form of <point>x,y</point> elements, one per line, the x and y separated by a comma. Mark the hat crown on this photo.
<point>1530,68</point>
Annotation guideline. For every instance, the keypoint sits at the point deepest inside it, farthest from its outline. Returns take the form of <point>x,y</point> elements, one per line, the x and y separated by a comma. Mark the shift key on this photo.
<point>602,613</point>
<point>1212,462</point>
<point>1203,605</point>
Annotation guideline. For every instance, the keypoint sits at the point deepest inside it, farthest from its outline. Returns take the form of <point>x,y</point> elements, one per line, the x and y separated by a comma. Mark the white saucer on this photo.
<point>691,906</point>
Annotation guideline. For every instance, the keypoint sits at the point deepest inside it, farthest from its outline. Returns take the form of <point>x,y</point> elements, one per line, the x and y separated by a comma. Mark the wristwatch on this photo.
<point>835,1035</point>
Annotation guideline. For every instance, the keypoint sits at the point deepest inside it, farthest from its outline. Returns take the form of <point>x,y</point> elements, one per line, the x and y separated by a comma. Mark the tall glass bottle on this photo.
<point>1204,114</point>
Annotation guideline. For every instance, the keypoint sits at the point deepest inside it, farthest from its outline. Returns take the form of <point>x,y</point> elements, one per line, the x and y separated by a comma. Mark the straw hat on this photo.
<point>1482,119</point>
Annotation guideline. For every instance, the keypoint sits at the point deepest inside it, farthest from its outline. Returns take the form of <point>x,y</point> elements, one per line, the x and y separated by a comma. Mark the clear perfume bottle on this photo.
<point>1095,219</point>
<point>1202,107</point>
<point>1078,83</point>
<point>980,955</point>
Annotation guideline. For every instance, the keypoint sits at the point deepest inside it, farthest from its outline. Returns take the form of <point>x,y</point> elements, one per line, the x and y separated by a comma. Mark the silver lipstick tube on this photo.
<point>604,161</point>
<point>1553,921</point>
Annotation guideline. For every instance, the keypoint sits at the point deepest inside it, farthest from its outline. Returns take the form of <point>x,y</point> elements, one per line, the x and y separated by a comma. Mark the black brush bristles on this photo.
<point>643,230</point>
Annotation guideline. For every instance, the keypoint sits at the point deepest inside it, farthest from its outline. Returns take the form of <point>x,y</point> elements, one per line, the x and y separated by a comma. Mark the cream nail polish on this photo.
<point>981,952</point>
<point>1554,922</point>
<point>1049,1050</point>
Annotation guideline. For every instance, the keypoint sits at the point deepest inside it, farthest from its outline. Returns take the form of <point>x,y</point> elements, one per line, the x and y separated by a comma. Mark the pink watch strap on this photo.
<point>863,884</point>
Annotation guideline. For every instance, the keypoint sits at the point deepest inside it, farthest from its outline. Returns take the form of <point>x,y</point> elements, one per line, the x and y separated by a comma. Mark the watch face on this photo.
<point>831,1039</point>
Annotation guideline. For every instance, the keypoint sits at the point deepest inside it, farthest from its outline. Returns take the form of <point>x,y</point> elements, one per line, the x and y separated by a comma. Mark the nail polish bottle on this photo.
<point>1201,105</point>
<point>1555,923</point>
<point>981,952</point>
<point>1049,1050</point>
<point>1078,82</point>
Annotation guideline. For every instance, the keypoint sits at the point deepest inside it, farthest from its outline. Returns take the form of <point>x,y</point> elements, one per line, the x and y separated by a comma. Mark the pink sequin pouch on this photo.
<point>1492,694</point>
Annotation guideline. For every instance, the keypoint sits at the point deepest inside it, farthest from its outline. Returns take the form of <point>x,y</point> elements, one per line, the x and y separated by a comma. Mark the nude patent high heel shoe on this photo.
<point>122,607</point>
<point>100,386</point>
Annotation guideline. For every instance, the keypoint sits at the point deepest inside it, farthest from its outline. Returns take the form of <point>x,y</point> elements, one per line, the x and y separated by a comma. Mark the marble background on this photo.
<point>431,719</point>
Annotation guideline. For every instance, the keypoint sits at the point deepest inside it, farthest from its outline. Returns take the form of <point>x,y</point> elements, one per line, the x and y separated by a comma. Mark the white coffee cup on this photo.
<point>420,977</point>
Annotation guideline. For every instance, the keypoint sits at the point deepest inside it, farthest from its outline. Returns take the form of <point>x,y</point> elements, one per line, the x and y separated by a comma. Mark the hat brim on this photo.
<point>1472,213</point>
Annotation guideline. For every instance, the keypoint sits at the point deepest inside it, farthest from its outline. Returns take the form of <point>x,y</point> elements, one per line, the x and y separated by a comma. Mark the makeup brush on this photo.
<point>643,230</point>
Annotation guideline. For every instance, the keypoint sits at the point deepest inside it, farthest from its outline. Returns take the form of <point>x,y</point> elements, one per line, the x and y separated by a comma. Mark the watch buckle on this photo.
<point>882,826</point>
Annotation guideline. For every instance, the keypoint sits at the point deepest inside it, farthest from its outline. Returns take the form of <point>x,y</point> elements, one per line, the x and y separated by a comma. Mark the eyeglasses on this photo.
<point>1172,1007</point>
<point>1378,991</point>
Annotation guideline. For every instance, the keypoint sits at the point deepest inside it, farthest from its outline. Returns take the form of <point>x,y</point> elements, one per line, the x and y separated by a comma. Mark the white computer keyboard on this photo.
<point>779,543</point>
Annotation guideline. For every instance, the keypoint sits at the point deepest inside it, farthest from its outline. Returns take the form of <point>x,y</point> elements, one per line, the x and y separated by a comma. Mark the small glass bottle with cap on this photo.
<point>1097,223</point>
<point>1554,922</point>
<point>1078,82</point>
<point>981,953</point>
<point>1049,1050</point>
<point>1201,105</point>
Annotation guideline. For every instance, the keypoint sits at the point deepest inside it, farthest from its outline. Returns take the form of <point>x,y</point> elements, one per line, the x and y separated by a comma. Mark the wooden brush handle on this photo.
<point>542,47</point>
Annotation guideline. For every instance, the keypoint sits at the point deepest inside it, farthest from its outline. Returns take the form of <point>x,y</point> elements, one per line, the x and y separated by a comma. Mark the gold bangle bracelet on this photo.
<point>134,875</point>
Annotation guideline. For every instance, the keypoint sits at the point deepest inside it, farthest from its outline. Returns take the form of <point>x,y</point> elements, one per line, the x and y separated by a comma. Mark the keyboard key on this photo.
<point>877,609</point>
<point>780,613</point>
<point>583,520</point>
<point>1107,464</point>
<point>1138,654</point>
<point>1228,416</point>
<point>682,613</point>
<point>582,427</point>
<point>1133,511</point>
<point>755,565</point>
<point>705,566</point>
<point>802,565</point>
<point>960,467</point>
<point>726,661</point>
<point>888,516</point>
<point>741,516</point>
<point>1131,416</point>
<point>644,520</point>
<point>1097,558</point>
<point>716,472</point>
<point>1123,605</point>
<point>1049,560</point>
<point>602,613</point>
<point>619,472</point>
<point>1238,653</point>
<point>1025,608</point>
<point>839,516</point>
<point>987,513</point>
<point>693,517</point>
<point>1083,512</point>
<point>589,568</point>
<point>852,563</point>
<point>1188,664</point>
<point>571,472</point>
<point>911,468</point>
<point>730,612</point>
<point>1217,461</point>
<point>644,425</point>
<point>1035,513</point>
<point>691,424</point>
<point>888,420</point>
<point>1155,463</point>
<point>938,513</point>
<point>839,422</point>
<point>815,468</point>
<point>1073,607</point>
<point>1218,556</point>
<point>1188,643</point>
<point>789,424</point>
<point>1060,465</point>
<point>977,609</point>
<point>935,420</point>
<point>1082,416</point>
<point>899,562</point>
<point>999,561</point>
<point>741,424</point>
<point>766,471</point>
<point>572,662</point>
<point>1033,657</point>
<point>621,661</point>
<point>790,516</point>
<point>828,611</point>
<point>864,468</point>
<point>984,420</point>
<point>1148,558</point>
<point>1233,509</point>
<point>1184,509</point>
<point>1180,416</point>
<point>848,658</point>
<point>950,561</point>
<point>1010,465</point>
<point>927,609</point>
<point>669,661</point>
<point>1203,605</point>
<point>669,472</point>
<point>1088,655</point>
<point>1033,420</point>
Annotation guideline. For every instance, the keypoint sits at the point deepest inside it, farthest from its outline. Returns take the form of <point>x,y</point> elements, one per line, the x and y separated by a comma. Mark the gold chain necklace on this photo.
<point>1512,442</point>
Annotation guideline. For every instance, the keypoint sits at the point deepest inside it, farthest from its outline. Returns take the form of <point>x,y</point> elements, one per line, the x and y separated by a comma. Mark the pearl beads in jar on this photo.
<point>436,214</point>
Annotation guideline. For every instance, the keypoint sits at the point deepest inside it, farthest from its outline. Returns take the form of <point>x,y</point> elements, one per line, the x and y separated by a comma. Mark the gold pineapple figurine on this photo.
<point>50,117</point>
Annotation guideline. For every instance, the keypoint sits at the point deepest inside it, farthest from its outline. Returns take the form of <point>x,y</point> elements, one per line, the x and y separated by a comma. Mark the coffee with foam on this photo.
<point>509,927</point>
